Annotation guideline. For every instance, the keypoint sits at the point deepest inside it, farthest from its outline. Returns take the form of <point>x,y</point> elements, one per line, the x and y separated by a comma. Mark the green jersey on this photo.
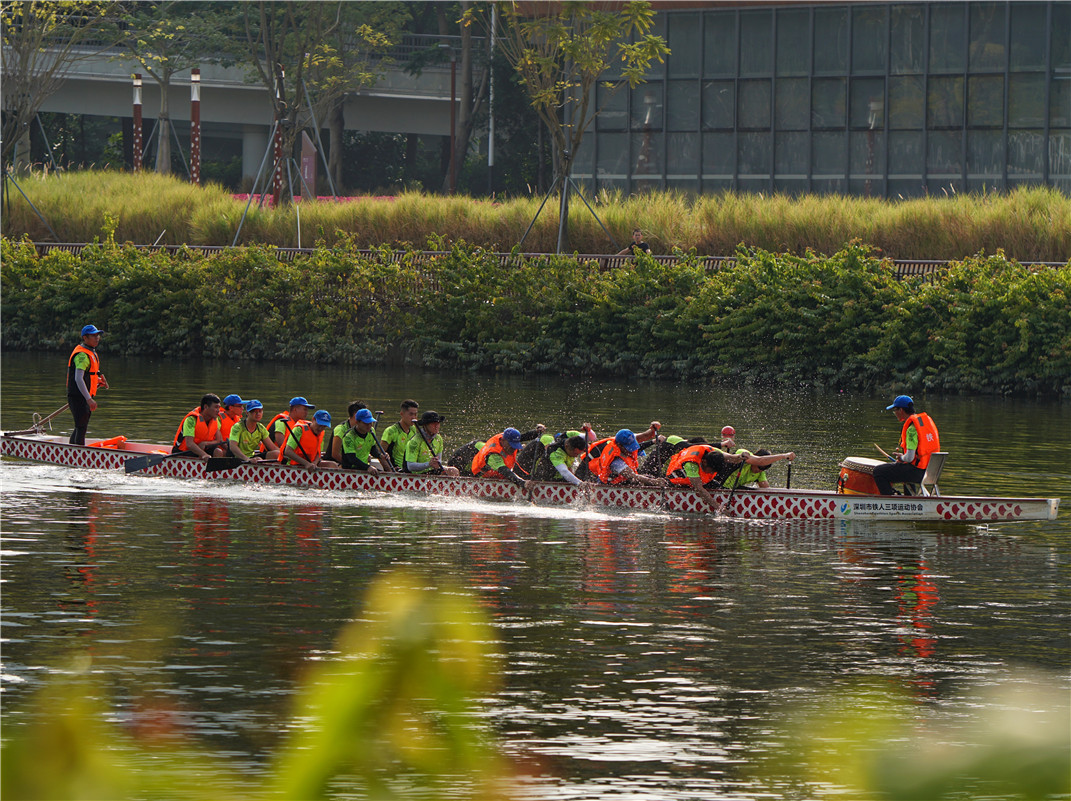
<point>395,440</point>
<point>356,450</point>
<point>249,441</point>
<point>418,454</point>
<point>746,475</point>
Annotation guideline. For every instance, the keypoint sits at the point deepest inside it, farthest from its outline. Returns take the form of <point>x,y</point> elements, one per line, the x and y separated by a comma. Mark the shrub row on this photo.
<point>987,324</point>
<point>1030,224</point>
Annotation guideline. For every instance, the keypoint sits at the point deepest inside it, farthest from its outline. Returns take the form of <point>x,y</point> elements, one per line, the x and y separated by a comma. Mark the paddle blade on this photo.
<point>216,464</point>
<point>143,462</point>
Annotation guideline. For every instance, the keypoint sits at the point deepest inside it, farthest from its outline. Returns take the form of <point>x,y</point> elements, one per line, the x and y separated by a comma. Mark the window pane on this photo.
<point>682,154</point>
<point>682,106</point>
<point>719,103</point>
<point>754,104</point>
<point>647,154</point>
<point>756,42</point>
<point>907,30</point>
<point>1060,102</point>
<point>987,36</point>
<point>869,37</point>
<point>828,103</point>
<point>613,155</point>
<point>1028,36</point>
<point>947,35</point>
<point>658,28</point>
<point>985,154</point>
<point>868,103</point>
<point>718,152</point>
<point>1061,36</point>
<point>719,41</point>
<point>945,103</point>
<point>584,161</point>
<point>985,101</point>
<point>906,102</point>
<point>792,151</point>
<point>867,154</point>
<point>793,54</point>
<point>830,40</point>
<point>614,105</point>
<point>793,105</point>
<point>830,157</point>
<point>684,31</point>
<point>1026,100</point>
<point>905,153</point>
<point>1025,150</point>
<point>754,154</point>
<point>944,152</point>
<point>647,107</point>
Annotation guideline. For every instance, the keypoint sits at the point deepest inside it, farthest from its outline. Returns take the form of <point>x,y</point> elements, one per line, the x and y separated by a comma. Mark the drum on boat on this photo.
<point>857,476</point>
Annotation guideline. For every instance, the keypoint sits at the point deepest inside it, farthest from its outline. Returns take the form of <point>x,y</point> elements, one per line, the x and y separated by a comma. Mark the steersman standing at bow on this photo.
<point>81,397</point>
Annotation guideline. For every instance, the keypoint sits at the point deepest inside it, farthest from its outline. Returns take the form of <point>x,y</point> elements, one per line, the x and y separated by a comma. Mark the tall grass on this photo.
<point>1029,224</point>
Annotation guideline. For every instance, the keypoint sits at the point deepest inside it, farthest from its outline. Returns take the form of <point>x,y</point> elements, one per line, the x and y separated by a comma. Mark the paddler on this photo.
<point>282,425</point>
<point>498,457</point>
<point>698,466</point>
<point>81,397</point>
<point>354,444</point>
<point>230,413</point>
<point>615,460</point>
<point>249,435</point>
<point>198,433</point>
<point>559,452</point>
<point>534,451</point>
<point>304,445</point>
<point>918,441</point>
<point>397,435</point>
<point>424,450</point>
<point>754,468</point>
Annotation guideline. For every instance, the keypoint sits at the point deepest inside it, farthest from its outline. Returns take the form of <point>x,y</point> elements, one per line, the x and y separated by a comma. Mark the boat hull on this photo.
<point>772,504</point>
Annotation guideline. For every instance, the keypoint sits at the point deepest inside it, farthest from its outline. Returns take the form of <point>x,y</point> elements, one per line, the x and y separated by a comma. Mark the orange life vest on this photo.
<point>309,444</point>
<point>93,372</point>
<point>204,432</point>
<point>675,469</point>
<point>600,465</point>
<point>226,423</point>
<point>494,445</point>
<point>929,441</point>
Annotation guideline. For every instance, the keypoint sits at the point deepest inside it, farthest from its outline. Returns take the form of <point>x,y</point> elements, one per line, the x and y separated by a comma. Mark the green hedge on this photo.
<point>842,321</point>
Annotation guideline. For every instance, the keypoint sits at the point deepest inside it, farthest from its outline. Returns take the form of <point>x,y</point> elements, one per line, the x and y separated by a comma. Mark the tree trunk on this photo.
<point>163,133</point>
<point>335,131</point>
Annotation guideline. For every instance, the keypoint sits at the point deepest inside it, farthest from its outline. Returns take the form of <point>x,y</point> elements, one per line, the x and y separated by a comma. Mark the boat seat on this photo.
<point>933,473</point>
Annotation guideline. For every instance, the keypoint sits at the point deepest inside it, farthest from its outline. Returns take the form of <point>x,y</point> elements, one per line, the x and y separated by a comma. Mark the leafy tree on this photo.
<point>560,51</point>
<point>167,38</point>
<point>41,40</point>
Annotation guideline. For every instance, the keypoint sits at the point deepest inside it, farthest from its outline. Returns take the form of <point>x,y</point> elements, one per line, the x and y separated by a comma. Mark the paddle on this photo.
<point>218,463</point>
<point>145,462</point>
<point>37,424</point>
<point>788,477</point>
<point>427,441</point>
<point>386,461</point>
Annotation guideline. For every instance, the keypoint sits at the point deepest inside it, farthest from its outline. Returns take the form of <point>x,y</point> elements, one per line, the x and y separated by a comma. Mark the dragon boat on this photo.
<point>848,502</point>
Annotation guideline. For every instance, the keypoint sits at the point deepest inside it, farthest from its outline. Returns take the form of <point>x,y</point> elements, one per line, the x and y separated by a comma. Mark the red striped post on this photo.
<point>138,145</point>
<point>195,126</point>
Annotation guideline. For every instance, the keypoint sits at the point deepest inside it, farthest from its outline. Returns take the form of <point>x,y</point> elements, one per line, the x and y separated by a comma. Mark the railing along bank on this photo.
<point>904,267</point>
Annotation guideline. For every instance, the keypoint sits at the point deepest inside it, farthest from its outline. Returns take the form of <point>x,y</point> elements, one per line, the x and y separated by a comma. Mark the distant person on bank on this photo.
<point>636,246</point>
<point>81,397</point>
<point>918,441</point>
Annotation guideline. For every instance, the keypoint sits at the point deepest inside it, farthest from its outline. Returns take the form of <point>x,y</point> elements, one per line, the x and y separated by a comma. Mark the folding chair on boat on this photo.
<point>930,478</point>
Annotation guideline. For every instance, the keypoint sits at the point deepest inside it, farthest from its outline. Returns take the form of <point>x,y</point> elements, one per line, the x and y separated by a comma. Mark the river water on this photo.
<point>642,655</point>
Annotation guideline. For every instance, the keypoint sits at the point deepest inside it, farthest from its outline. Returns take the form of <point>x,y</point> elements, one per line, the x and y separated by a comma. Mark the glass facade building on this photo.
<point>883,99</point>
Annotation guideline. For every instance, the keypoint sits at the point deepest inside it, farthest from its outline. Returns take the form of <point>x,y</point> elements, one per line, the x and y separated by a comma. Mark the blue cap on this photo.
<point>300,401</point>
<point>626,440</point>
<point>233,400</point>
<point>323,417</point>
<point>363,416</point>
<point>253,404</point>
<point>513,437</point>
<point>901,402</point>
<point>90,329</point>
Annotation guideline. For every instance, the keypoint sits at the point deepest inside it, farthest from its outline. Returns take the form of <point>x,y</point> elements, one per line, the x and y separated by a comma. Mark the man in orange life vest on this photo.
<point>283,424</point>
<point>80,397</point>
<point>198,433</point>
<point>616,460</point>
<point>305,444</point>
<point>230,413</point>
<point>918,440</point>
<point>698,466</point>
<point>498,457</point>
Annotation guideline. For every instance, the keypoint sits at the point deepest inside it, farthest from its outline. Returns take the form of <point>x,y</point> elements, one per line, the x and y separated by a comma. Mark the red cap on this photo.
<point>728,431</point>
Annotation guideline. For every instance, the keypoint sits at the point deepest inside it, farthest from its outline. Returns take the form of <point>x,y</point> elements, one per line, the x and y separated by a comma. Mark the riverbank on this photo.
<point>985,325</point>
<point>1029,224</point>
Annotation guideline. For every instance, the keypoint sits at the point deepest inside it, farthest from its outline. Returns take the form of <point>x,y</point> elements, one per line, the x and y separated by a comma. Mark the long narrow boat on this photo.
<point>771,504</point>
